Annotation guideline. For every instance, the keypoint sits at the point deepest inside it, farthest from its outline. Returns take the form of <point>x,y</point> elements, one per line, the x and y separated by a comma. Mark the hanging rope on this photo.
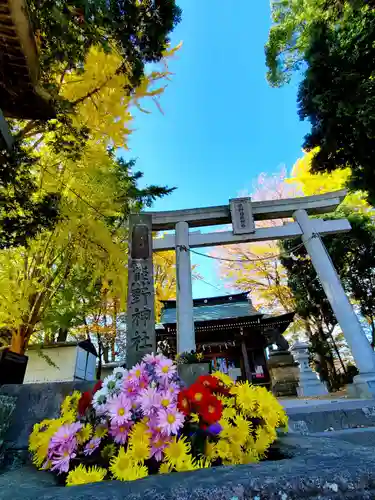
<point>259,259</point>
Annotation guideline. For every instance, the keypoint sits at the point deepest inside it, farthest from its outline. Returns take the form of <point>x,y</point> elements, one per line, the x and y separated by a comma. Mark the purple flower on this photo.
<point>61,460</point>
<point>170,421</point>
<point>165,370</point>
<point>65,435</point>
<point>91,446</point>
<point>149,400</point>
<point>120,433</point>
<point>119,409</point>
<point>215,428</point>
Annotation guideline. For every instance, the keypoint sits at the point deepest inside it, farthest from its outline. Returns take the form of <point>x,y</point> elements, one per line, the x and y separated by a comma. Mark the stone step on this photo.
<point>322,416</point>
<point>359,436</point>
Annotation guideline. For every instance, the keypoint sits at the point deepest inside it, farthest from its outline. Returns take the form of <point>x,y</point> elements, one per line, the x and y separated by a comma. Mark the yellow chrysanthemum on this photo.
<point>65,405</point>
<point>227,402</point>
<point>194,418</point>
<point>165,468</point>
<point>229,413</point>
<point>202,463</point>
<point>139,449</point>
<point>246,396</point>
<point>176,450</point>
<point>243,425</point>
<point>235,435</point>
<point>101,431</point>
<point>140,432</point>
<point>122,466</point>
<point>225,427</point>
<point>268,408</point>
<point>250,456</point>
<point>223,449</point>
<point>40,438</point>
<point>224,378</point>
<point>83,475</point>
<point>235,453</point>
<point>210,450</point>
<point>84,434</point>
<point>185,463</point>
<point>263,439</point>
<point>69,417</point>
<point>70,403</point>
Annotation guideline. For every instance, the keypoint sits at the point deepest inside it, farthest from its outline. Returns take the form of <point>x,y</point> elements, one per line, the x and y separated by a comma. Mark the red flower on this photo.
<point>183,403</point>
<point>198,393</point>
<point>97,386</point>
<point>84,402</point>
<point>211,410</point>
<point>221,388</point>
<point>208,381</point>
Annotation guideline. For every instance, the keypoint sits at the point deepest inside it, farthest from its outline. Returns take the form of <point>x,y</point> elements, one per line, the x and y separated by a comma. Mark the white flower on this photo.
<point>120,373</point>
<point>100,401</point>
<point>111,384</point>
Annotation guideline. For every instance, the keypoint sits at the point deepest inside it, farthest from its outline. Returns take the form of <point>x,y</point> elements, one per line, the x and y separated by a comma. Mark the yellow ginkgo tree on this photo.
<point>96,189</point>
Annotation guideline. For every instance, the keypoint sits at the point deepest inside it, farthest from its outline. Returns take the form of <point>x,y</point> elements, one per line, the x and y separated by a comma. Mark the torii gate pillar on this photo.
<point>364,384</point>
<point>185,319</point>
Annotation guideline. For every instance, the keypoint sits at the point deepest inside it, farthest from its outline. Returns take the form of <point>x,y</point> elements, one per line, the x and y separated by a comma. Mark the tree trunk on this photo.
<point>100,348</point>
<point>63,334</point>
<point>106,354</point>
<point>20,338</point>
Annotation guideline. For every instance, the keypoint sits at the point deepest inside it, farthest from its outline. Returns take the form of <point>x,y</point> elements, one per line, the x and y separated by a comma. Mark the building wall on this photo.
<point>38,370</point>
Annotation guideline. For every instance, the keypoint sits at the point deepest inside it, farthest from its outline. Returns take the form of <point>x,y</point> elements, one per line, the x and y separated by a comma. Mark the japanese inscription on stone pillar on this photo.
<point>242,216</point>
<point>140,336</point>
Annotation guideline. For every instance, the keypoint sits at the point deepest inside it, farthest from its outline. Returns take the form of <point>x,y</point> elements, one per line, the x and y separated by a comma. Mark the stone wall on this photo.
<point>32,403</point>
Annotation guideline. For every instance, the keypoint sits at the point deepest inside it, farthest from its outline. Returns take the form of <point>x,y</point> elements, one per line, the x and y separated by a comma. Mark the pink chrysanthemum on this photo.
<point>158,445</point>
<point>65,435</point>
<point>120,433</point>
<point>61,460</point>
<point>137,372</point>
<point>91,446</point>
<point>167,400</point>
<point>149,400</point>
<point>165,369</point>
<point>143,382</point>
<point>151,359</point>
<point>170,421</point>
<point>153,424</point>
<point>173,388</point>
<point>130,388</point>
<point>119,409</point>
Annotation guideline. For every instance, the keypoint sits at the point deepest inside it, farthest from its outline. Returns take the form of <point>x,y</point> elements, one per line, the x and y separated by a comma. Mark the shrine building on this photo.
<point>231,334</point>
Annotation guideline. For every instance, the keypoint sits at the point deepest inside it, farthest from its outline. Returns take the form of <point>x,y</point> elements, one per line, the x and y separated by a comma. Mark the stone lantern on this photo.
<point>309,383</point>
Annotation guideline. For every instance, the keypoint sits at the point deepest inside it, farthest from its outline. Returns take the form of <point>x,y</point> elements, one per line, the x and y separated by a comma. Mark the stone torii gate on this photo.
<point>241,213</point>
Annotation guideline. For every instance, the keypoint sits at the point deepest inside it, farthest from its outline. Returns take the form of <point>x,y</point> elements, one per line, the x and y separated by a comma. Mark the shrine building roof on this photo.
<point>213,308</point>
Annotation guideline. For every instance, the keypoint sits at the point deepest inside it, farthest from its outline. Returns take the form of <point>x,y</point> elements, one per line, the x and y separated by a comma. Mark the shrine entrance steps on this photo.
<point>349,420</point>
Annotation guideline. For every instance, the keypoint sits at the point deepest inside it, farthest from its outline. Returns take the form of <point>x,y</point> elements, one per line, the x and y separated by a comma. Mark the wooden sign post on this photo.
<point>140,331</point>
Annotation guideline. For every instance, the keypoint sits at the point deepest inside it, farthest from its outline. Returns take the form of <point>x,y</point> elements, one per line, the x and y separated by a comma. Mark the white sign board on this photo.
<point>242,216</point>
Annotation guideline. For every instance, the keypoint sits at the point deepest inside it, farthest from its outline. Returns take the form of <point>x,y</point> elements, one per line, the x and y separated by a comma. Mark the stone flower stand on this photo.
<point>189,372</point>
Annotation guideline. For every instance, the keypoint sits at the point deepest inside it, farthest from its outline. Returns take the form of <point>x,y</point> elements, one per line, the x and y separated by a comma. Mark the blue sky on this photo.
<point>222,124</point>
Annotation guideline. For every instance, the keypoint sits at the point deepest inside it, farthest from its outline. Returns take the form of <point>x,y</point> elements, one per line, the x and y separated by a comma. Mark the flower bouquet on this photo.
<point>189,357</point>
<point>142,422</point>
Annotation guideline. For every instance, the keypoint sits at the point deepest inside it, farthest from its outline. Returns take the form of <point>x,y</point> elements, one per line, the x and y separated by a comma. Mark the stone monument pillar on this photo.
<point>281,365</point>
<point>284,373</point>
<point>309,382</point>
<point>140,325</point>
